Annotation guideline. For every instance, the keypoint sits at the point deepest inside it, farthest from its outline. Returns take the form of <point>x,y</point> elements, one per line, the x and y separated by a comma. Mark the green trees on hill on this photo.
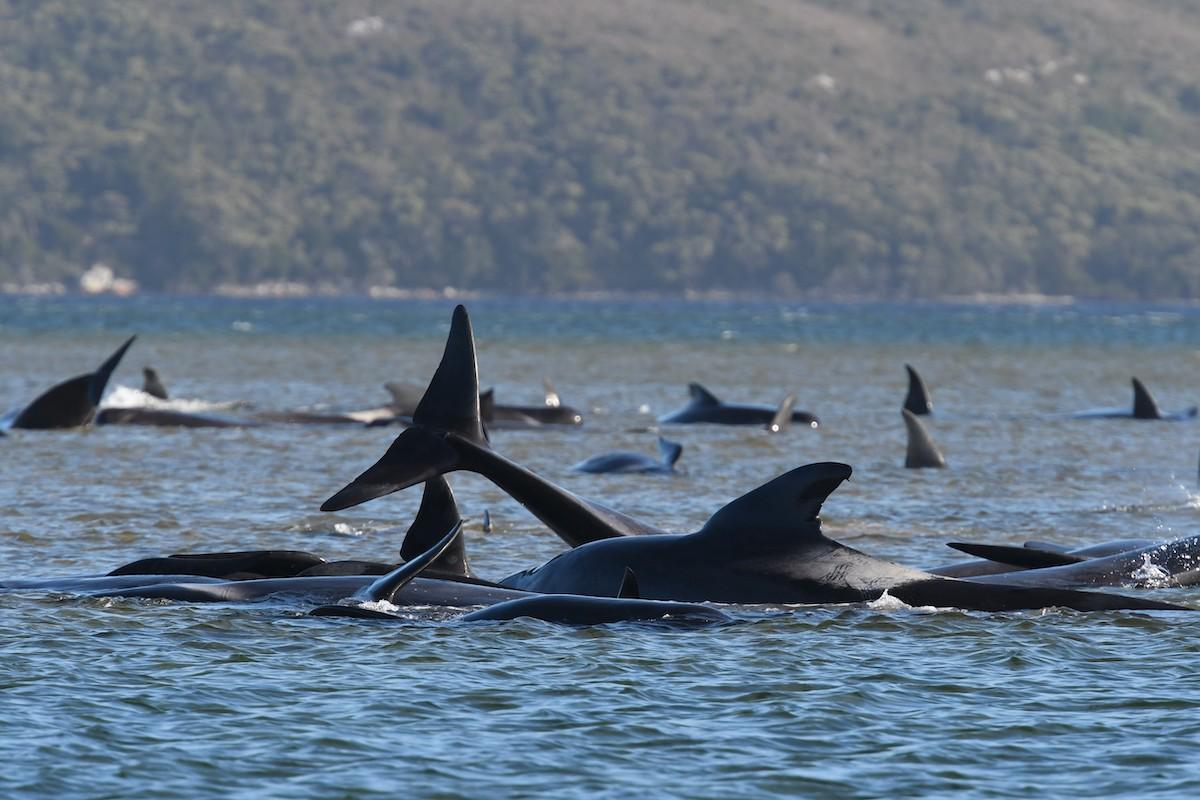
<point>853,147</point>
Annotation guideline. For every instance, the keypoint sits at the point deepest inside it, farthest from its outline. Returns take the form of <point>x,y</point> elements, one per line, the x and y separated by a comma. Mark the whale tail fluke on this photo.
<point>437,514</point>
<point>783,415</point>
<point>917,400</point>
<point>415,456</point>
<point>921,452</point>
<point>73,402</point>
<point>451,402</point>
<point>1144,406</point>
<point>669,451</point>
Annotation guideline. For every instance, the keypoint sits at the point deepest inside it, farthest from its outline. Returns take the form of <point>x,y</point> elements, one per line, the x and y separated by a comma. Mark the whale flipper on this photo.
<point>1023,557</point>
<point>629,586</point>
<point>670,452</point>
<point>922,452</point>
<point>73,402</point>
<point>437,514</point>
<point>386,586</point>
<point>152,384</point>
<point>451,402</point>
<point>783,416</point>
<point>1144,406</point>
<point>917,400</point>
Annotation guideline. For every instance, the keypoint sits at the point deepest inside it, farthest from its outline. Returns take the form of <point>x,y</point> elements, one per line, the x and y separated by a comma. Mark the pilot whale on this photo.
<point>917,400</point>
<point>1144,407</point>
<point>72,403</point>
<point>152,384</point>
<point>922,452</point>
<point>405,398</point>
<point>705,407</point>
<point>625,461</point>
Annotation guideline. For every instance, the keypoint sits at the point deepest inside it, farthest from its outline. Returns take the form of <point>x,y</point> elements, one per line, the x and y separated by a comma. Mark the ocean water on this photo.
<point>134,698</point>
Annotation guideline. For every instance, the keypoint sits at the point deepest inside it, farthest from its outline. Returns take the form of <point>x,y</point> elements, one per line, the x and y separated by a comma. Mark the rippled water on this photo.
<point>103,698</point>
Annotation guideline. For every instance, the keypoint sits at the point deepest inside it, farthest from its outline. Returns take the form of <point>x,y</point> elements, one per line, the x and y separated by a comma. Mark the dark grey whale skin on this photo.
<point>72,403</point>
<point>705,407</point>
<point>767,547</point>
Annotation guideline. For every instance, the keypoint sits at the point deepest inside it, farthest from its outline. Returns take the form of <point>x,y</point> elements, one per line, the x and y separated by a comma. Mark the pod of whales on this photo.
<point>1144,407</point>
<point>705,407</point>
<point>625,461</point>
<point>765,547</point>
<point>72,403</point>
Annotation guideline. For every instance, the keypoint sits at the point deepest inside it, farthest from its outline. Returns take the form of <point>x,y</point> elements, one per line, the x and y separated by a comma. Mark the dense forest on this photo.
<point>898,148</point>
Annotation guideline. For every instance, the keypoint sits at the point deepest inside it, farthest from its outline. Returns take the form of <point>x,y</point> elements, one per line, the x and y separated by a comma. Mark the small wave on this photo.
<point>129,397</point>
<point>1150,575</point>
<point>886,602</point>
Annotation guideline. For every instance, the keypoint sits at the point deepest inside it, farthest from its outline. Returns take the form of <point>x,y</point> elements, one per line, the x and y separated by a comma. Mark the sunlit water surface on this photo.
<point>103,698</point>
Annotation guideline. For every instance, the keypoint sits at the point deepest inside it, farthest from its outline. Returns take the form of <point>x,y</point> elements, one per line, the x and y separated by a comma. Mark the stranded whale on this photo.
<point>705,407</point>
<point>624,461</point>
<point>1144,407</point>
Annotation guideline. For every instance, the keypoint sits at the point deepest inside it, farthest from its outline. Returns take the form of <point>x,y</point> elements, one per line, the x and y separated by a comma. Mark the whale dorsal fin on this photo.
<point>437,514</point>
<point>552,398</point>
<point>629,586</point>
<point>701,396</point>
<point>922,452</point>
<point>917,400</point>
<point>1024,557</point>
<point>451,403</point>
<point>783,415</point>
<point>386,586</point>
<point>1144,406</point>
<point>784,509</point>
<point>73,402</point>
<point>405,396</point>
<point>670,451</point>
<point>152,384</point>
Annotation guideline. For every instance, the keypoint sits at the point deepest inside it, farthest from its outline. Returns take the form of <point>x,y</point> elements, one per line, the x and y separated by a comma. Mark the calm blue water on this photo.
<point>123,698</point>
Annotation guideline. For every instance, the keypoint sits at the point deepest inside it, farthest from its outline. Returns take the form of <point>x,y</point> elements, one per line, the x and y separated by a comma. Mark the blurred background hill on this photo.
<point>922,148</point>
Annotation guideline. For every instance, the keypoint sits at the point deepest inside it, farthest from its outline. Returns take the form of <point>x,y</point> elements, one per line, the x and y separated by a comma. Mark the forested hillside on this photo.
<point>910,148</point>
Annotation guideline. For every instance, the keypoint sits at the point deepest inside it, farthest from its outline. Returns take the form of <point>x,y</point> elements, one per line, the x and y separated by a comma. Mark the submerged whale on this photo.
<point>1134,563</point>
<point>625,461</point>
<point>921,452</point>
<point>1144,407</point>
<point>705,407</point>
<point>72,403</point>
<point>765,547</point>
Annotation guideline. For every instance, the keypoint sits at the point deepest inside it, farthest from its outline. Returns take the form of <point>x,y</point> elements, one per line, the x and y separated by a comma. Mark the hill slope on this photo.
<point>885,148</point>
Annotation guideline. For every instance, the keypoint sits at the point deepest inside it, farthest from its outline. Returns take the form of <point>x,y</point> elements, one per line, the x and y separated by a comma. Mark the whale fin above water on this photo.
<point>629,586</point>
<point>917,400</point>
<point>1144,406</point>
<point>921,452</point>
<point>670,451</point>
<point>783,416</point>
<point>701,396</point>
<point>1023,557</point>
<point>73,402</point>
<point>451,402</point>
<point>152,384</point>
<point>787,507</point>
<point>385,588</point>
<point>437,514</point>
